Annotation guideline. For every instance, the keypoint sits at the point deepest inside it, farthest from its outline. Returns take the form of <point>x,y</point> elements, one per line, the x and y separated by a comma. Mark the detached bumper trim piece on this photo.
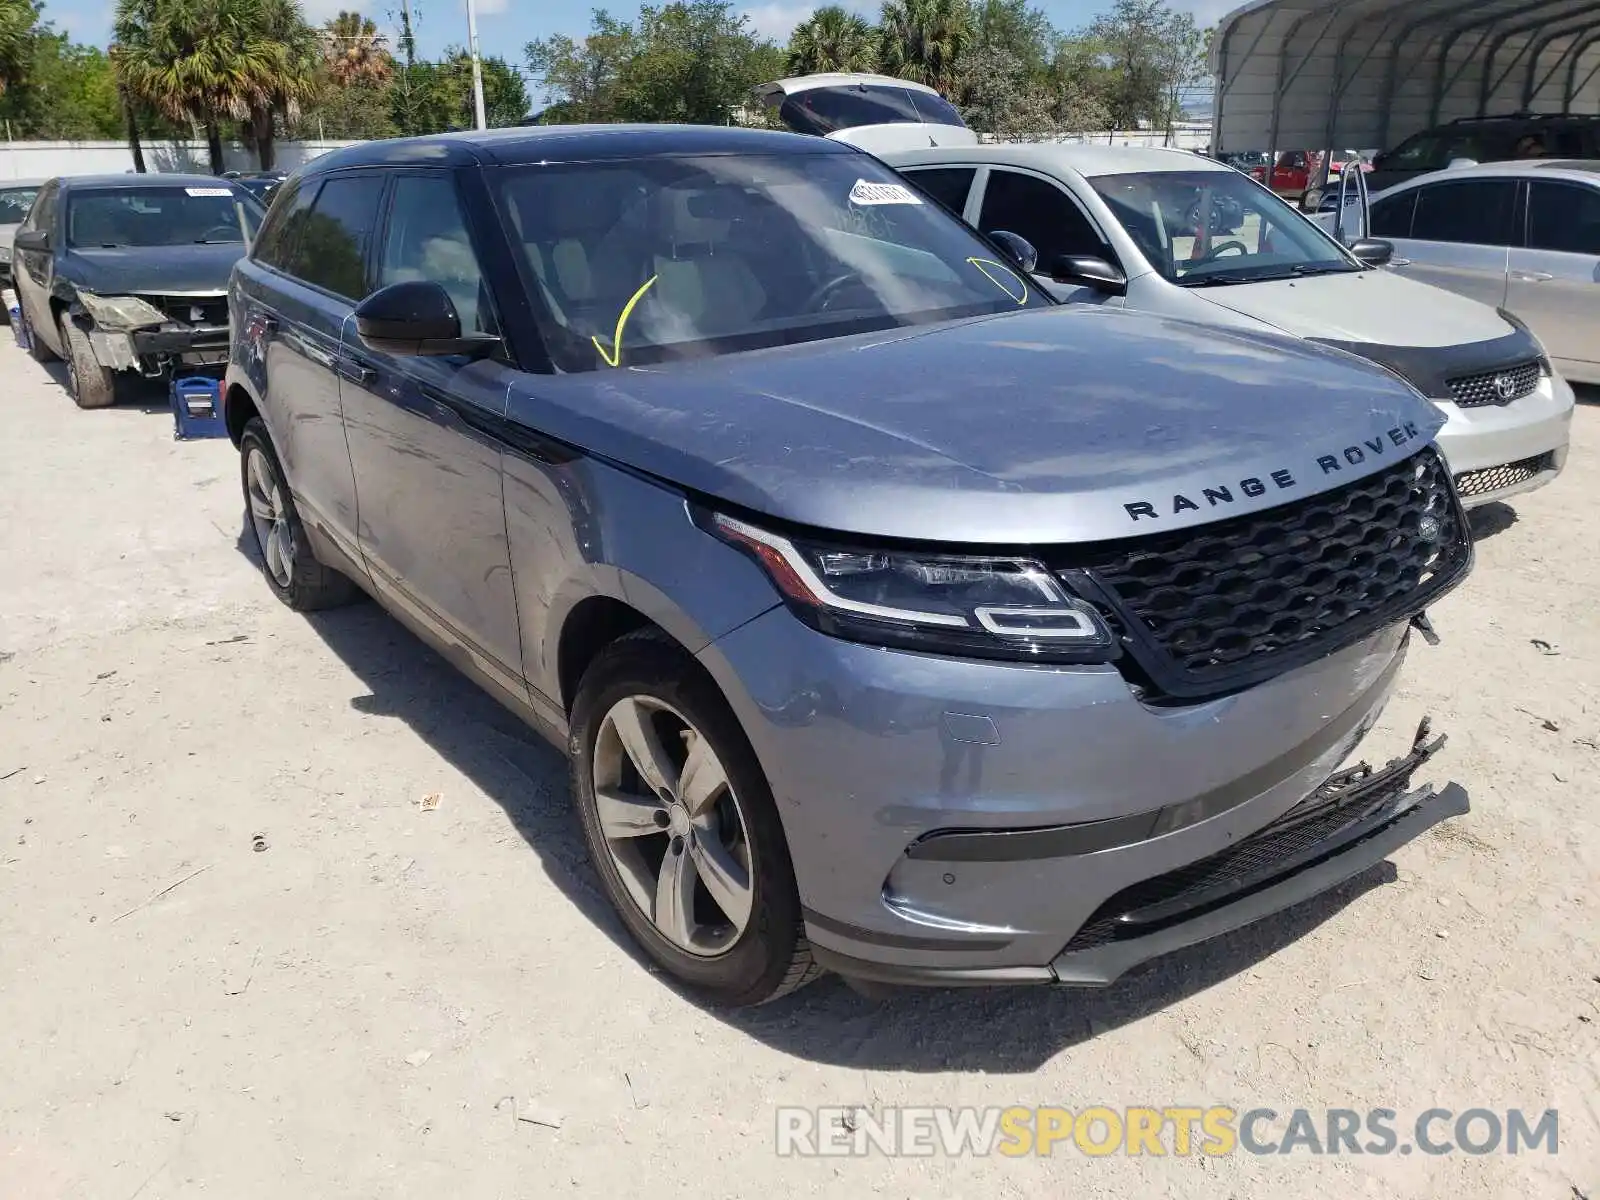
<point>1370,842</point>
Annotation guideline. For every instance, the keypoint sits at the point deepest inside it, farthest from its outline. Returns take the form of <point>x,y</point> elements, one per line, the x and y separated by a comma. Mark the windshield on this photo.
<point>161,216</point>
<point>655,259</point>
<point>1250,235</point>
<point>15,203</point>
<point>825,110</point>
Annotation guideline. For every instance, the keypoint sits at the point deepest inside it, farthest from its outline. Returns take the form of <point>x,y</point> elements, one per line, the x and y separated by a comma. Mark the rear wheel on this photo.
<point>91,385</point>
<point>682,828</point>
<point>292,571</point>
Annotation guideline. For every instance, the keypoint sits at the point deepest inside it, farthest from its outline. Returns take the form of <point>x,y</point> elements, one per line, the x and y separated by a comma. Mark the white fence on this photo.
<point>43,160</point>
<point>1185,136</point>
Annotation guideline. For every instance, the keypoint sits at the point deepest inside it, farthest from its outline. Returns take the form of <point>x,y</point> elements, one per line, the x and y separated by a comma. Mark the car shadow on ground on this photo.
<point>992,1030</point>
<point>1490,520</point>
<point>148,395</point>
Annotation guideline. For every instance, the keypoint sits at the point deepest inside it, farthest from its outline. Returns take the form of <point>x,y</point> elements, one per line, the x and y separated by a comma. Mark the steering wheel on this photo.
<point>822,298</point>
<point>1232,246</point>
<point>224,233</point>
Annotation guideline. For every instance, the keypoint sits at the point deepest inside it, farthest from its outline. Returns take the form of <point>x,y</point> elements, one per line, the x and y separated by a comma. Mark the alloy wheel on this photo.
<point>673,825</point>
<point>270,516</point>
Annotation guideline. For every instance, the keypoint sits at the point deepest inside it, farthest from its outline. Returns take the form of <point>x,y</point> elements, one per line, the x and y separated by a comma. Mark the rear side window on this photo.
<point>1391,218</point>
<point>1565,217</point>
<point>1476,212</point>
<point>948,185</point>
<point>1039,211</point>
<point>330,250</point>
<point>282,227</point>
<point>826,110</point>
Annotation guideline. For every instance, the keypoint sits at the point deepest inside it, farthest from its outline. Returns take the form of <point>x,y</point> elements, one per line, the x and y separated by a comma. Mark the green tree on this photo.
<point>582,78</point>
<point>439,94</point>
<point>17,21</point>
<point>213,60</point>
<point>1017,28</point>
<point>1152,54</point>
<point>356,53</point>
<point>832,39</point>
<point>68,92</point>
<point>1001,95</point>
<point>922,40</point>
<point>695,62</point>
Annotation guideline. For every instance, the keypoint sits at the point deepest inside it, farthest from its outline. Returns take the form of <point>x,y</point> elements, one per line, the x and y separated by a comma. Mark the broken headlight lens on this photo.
<point>115,313</point>
<point>980,606</point>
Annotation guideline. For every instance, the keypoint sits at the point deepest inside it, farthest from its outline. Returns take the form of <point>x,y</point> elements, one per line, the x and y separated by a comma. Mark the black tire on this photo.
<point>308,585</point>
<point>91,385</point>
<point>37,350</point>
<point>772,957</point>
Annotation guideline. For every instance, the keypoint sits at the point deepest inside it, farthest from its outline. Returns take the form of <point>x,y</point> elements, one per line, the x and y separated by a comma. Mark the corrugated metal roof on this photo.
<point>1368,73</point>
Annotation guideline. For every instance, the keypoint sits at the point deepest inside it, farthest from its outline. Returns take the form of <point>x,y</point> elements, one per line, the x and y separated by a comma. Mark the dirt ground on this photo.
<point>239,959</point>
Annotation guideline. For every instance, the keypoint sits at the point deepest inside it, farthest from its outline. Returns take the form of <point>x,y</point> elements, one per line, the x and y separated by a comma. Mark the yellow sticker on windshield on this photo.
<point>614,355</point>
<point>983,264</point>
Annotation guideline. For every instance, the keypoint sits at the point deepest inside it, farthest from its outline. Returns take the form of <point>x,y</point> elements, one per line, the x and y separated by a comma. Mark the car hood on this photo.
<point>152,270</point>
<point>1363,306</point>
<point>1061,425</point>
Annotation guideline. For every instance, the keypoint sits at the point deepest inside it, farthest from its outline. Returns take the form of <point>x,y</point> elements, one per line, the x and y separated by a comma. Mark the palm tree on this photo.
<point>356,51</point>
<point>832,40</point>
<point>207,61</point>
<point>17,19</point>
<point>922,40</point>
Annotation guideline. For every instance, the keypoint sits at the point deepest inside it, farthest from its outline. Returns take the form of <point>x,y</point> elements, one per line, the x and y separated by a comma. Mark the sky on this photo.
<point>505,26</point>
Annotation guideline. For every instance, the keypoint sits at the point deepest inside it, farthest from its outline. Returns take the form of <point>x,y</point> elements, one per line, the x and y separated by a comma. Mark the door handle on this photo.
<point>1532,276</point>
<point>356,372</point>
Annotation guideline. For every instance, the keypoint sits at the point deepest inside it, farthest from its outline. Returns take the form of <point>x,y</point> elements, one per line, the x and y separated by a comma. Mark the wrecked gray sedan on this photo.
<point>129,274</point>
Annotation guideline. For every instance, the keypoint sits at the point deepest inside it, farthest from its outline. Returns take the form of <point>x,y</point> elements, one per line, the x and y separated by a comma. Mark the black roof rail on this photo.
<point>1526,116</point>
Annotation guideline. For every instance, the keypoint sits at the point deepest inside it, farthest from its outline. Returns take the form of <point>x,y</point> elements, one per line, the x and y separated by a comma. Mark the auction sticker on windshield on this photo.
<point>865,192</point>
<point>209,191</point>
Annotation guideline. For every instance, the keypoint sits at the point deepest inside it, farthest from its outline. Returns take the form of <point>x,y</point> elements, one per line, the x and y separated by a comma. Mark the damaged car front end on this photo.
<point>156,334</point>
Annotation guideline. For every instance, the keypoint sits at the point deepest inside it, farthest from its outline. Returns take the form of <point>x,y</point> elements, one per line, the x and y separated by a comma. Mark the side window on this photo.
<point>1039,211</point>
<point>1425,152</point>
<point>1475,213</point>
<point>330,249</point>
<point>427,239</point>
<point>1391,218</point>
<point>43,213</point>
<point>1565,217</point>
<point>275,246</point>
<point>948,185</point>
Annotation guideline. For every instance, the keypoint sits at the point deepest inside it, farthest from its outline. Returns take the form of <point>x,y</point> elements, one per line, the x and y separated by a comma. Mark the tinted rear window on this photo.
<point>827,110</point>
<point>1475,213</point>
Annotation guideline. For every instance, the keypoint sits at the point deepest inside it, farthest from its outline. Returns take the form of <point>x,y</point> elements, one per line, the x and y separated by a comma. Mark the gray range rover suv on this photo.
<point>895,620</point>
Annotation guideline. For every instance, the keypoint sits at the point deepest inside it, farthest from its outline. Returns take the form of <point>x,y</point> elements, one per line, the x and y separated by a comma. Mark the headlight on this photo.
<point>5,254</point>
<point>120,312</point>
<point>979,606</point>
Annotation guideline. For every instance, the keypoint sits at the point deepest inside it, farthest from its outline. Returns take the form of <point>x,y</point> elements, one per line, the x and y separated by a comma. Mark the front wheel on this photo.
<point>91,385</point>
<point>682,828</point>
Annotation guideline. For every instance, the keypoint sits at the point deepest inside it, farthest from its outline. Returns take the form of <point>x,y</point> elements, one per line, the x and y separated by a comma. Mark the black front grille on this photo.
<point>211,310</point>
<point>1208,610</point>
<point>1496,387</point>
<point>1496,479</point>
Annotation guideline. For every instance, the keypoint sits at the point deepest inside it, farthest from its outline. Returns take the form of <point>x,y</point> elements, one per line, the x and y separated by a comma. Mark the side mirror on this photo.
<point>32,239</point>
<point>1084,270</point>
<point>1018,249</point>
<point>416,319</point>
<point>1373,251</point>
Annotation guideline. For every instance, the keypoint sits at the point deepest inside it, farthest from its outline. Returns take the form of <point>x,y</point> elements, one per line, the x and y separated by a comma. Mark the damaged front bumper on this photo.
<point>129,333</point>
<point>1352,822</point>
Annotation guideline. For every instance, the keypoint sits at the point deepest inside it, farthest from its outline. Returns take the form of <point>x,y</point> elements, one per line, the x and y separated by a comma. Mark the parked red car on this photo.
<point>1298,175</point>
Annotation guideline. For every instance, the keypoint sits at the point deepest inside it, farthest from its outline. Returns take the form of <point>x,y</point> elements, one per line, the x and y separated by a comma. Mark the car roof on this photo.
<point>84,183</point>
<point>570,143</point>
<point>1084,158</point>
<point>805,83</point>
<point>1576,170</point>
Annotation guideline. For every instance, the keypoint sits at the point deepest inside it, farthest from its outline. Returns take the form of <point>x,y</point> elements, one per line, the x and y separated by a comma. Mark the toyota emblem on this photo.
<point>1505,387</point>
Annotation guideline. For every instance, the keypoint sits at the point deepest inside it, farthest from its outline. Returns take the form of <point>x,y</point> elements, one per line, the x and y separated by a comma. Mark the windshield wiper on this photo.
<point>1304,269</point>
<point>1298,271</point>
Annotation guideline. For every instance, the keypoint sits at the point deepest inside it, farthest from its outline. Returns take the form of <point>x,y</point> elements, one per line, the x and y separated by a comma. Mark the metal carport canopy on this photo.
<point>1364,74</point>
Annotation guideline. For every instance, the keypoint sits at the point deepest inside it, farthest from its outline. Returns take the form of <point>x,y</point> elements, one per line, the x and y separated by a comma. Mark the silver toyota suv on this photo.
<point>895,619</point>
